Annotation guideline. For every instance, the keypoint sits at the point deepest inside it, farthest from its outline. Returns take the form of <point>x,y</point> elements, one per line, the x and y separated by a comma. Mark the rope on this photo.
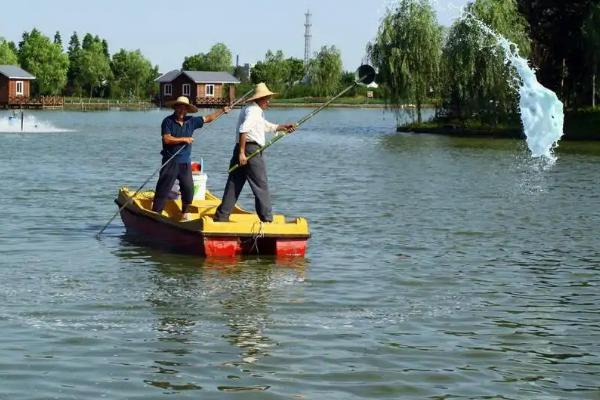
<point>258,235</point>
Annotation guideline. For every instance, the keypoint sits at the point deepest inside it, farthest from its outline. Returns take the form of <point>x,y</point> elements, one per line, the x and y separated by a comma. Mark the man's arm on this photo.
<point>169,139</point>
<point>271,127</point>
<point>289,128</point>
<point>211,117</point>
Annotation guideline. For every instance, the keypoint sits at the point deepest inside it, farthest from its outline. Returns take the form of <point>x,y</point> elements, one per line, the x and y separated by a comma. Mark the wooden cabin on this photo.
<point>15,86</point>
<point>203,88</point>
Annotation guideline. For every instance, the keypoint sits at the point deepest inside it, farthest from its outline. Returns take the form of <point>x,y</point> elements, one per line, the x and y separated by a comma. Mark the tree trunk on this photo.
<point>419,119</point>
<point>594,90</point>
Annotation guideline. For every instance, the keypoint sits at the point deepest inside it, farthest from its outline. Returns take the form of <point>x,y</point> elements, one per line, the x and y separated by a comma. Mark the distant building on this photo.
<point>15,86</point>
<point>203,88</point>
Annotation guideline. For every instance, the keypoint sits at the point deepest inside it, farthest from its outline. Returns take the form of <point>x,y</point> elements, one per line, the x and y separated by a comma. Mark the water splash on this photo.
<point>11,123</point>
<point>542,113</point>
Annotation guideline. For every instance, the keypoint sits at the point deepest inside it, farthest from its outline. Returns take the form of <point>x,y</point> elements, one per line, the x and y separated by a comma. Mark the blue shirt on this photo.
<point>170,126</point>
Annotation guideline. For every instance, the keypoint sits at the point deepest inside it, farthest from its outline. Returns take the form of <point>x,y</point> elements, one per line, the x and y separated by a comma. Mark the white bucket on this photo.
<point>199,185</point>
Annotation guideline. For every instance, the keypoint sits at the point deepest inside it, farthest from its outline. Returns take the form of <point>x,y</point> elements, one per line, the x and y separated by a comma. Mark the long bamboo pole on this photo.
<point>300,122</point>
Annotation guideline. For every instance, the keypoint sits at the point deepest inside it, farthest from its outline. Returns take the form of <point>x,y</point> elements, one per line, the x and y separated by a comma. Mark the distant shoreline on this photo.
<point>144,106</point>
<point>581,125</point>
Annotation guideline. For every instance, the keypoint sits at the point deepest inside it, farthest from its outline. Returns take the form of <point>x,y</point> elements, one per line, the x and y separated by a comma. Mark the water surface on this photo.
<point>438,268</point>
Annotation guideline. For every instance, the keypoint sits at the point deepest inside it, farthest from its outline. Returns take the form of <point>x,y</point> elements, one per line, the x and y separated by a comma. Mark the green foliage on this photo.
<point>74,53</point>
<point>45,60</point>
<point>559,50</point>
<point>95,72</point>
<point>90,70</point>
<point>217,59</point>
<point>407,53</point>
<point>7,55</point>
<point>325,71</point>
<point>475,76</point>
<point>591,35</point>
<point>278,72</point>
<point>133,74</point>
<point>295,70</point>
<point>57,38</point>
<point>272,71</point>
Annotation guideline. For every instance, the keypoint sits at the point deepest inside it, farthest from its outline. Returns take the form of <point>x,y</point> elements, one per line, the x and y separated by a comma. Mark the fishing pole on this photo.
<point>238,101</point>
<point>365,75</point>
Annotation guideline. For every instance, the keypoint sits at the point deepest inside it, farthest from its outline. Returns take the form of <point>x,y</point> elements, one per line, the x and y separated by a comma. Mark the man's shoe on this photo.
<point>221,219</point>
<point>186,217</point>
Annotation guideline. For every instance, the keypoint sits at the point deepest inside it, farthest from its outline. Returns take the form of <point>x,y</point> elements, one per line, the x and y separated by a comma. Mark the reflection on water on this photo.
<point>184,286</point>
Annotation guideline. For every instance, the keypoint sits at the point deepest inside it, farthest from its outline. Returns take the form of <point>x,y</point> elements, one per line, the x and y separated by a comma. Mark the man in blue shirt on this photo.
<point>177,130</point>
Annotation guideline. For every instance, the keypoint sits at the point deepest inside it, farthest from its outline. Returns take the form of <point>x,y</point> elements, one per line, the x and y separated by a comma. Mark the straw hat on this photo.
<point>182,100</point>
<point>261,90</point>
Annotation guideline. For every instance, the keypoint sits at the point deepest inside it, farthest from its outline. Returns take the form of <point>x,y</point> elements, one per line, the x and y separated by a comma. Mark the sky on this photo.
<point>167,33</point>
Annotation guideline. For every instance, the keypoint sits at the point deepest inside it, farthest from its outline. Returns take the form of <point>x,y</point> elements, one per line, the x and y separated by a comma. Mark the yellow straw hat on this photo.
<point>182,100</point>
<point>261,90</point>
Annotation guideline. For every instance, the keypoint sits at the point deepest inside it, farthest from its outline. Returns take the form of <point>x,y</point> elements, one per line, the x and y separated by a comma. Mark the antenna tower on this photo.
<point>307,38</point>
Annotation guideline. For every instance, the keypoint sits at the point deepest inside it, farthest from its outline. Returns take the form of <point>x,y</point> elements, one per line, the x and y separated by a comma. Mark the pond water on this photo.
<point>438,268</point>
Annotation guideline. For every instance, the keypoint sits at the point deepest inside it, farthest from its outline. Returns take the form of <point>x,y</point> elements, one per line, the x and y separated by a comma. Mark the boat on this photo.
<point>244,234</point>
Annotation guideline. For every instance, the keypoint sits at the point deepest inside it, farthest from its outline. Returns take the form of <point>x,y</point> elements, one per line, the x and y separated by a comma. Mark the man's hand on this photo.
<point>243,160</point>
<point>226,109</point>
<point>188,140</point>
<point>287,128</point>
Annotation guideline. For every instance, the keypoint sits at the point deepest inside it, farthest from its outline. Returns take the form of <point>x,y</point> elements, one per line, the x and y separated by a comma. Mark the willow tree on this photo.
<point>407,53</point>
<point>476,79</point>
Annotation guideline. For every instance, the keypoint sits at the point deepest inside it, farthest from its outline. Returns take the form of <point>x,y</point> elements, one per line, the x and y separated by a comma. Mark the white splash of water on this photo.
<point>542,113</point>
<point>11,123</point>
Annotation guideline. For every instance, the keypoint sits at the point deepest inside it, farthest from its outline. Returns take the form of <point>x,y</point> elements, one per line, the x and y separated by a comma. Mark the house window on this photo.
<point>185,89</point>
<point>168,89</point>
<point>210,90</point>
<point>19,88</point>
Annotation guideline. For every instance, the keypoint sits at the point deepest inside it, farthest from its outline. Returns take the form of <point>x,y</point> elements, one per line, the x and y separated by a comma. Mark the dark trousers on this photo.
<point>173,170</point>
<point>255,172</point>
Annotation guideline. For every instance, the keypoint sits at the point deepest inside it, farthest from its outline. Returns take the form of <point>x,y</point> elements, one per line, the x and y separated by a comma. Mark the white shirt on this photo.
<point>252,122</point>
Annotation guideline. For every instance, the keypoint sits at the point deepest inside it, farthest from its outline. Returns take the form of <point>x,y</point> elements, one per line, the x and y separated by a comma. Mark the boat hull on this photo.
<point>172,237</point>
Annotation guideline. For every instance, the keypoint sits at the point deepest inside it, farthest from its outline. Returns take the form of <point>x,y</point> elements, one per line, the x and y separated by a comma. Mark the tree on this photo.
<point>558,45</point>
<point>217,59</point>
<point>57,39</point>
<point>95,72</point>
<point>272,70</point>
<point>92,70</point>
<point>45,60</point>
<point>88,39</point>
<point>475,75</point>
<point>7,55</point>
<point>407,52</point>
<point>325,71</point>
<point>295,69</point>
<point>73,75</point>
<point>132,74</point>
<point>591,33</point>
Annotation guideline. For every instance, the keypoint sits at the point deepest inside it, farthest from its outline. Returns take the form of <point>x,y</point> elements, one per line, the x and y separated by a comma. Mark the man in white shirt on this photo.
<point>250,136</point>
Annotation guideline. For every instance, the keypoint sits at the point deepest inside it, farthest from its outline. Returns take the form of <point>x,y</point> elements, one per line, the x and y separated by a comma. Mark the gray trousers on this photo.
<point>255,172</point>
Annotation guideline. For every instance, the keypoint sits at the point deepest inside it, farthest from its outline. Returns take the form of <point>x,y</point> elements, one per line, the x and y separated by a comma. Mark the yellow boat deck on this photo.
<point>241,222</point>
